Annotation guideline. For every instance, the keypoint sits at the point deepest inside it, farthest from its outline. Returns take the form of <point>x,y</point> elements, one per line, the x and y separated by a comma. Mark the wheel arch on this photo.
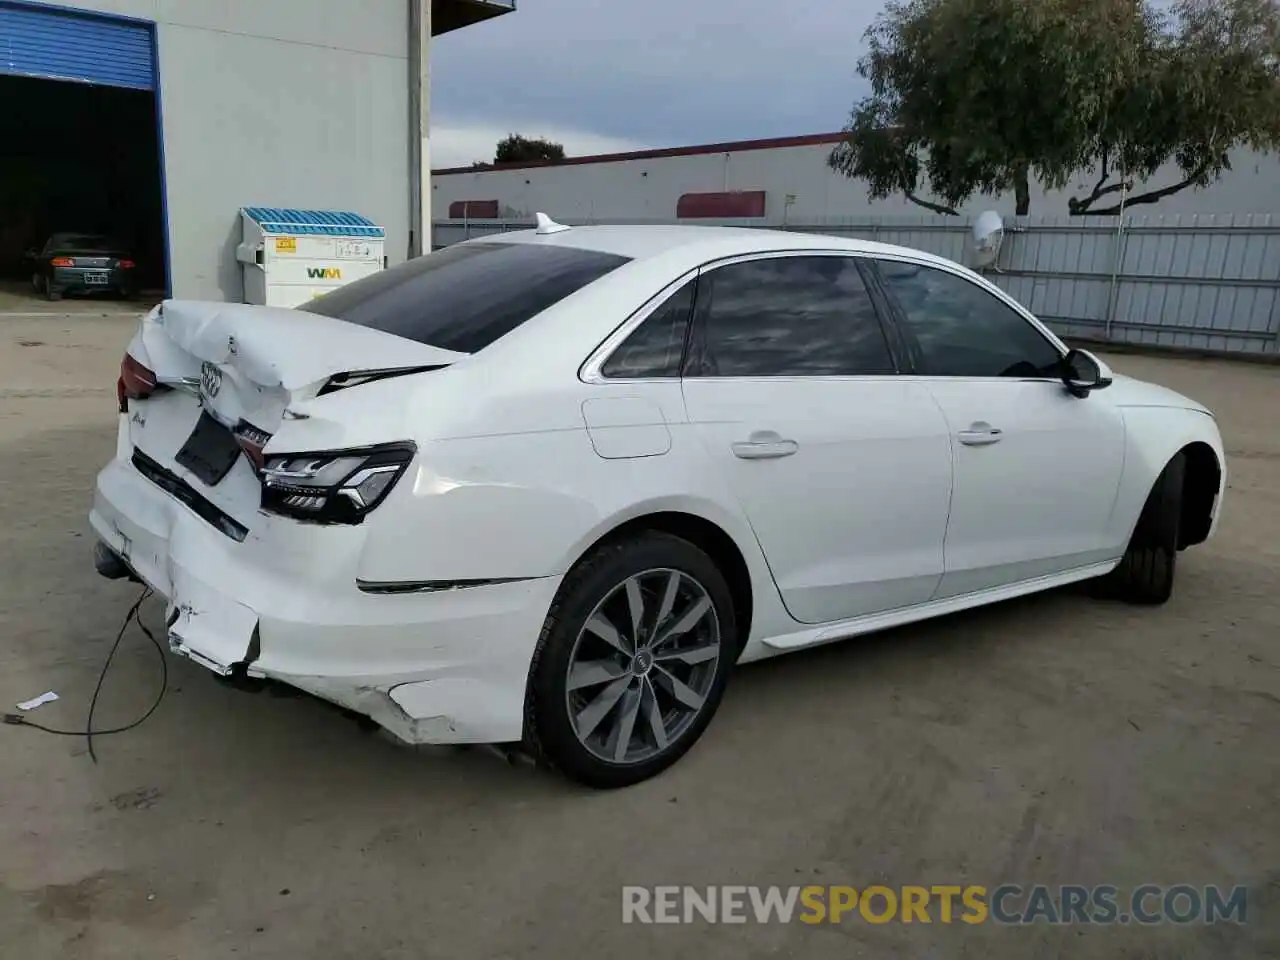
<point>1155,436</point>
<point>1200,489</point>
<point>705,534</point>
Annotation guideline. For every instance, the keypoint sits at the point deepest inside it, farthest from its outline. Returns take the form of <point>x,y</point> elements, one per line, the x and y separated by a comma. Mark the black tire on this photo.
<point>51,292</point>
<point>1145,574</point>
<point>549,729</point>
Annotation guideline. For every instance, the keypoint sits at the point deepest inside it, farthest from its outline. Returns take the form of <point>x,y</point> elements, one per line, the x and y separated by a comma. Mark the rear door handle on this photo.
<point>764,445</point>
<point>980,434</point>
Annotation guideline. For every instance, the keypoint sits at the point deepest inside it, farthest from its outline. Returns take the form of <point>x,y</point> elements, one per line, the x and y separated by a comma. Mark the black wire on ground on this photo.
<point>19,720</point>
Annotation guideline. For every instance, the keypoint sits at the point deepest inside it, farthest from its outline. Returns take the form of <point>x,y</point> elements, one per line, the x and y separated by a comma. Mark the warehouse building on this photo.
<point>777,181</point>
<point>156,121</point>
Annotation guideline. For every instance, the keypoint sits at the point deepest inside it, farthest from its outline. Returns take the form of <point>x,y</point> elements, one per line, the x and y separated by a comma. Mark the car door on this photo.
<point>1036,469</point>
<point>841,467</point>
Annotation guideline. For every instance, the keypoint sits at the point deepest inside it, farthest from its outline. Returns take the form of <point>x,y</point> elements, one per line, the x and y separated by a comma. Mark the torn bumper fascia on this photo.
<point>451,710</point>
<point>447,667</point>
<point>229,638</point>
<point>440,711</point>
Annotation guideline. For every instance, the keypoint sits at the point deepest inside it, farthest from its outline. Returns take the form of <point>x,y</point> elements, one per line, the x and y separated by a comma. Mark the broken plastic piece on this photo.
<point>47,697</point>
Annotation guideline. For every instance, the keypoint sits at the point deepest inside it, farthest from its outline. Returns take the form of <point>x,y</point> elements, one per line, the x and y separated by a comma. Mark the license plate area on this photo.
<point>96,278</point>
<point>210,452</point>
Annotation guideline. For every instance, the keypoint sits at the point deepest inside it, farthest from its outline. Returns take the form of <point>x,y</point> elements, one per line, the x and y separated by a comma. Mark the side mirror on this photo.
<point>1083,373</point>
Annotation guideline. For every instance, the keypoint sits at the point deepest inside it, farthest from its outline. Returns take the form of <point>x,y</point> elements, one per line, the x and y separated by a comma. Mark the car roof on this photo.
<point>643,241</point>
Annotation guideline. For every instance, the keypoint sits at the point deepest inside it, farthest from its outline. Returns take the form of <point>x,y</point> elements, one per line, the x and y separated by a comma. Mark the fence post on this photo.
<point>1273,320</point>
<point>1113,294</point>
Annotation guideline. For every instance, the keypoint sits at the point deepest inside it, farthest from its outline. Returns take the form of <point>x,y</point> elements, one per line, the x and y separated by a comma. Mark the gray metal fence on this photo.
<point>1203,282</point>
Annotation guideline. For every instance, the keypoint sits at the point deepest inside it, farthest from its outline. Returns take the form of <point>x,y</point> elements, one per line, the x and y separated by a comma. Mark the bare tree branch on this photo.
<point>1106,155</point>
<point>930,205</point>
<point>1078,207</point>
<point>1152,196</point>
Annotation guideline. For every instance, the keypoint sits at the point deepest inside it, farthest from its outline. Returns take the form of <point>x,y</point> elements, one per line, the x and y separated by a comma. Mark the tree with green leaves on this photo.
<point>981,96</point>
<point>517,149</point>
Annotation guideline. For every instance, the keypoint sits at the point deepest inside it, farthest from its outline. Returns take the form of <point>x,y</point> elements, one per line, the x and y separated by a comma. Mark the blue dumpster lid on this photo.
<point>324,223</point>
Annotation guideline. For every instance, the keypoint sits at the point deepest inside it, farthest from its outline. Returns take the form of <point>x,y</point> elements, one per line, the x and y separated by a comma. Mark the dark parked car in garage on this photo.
<point>82,263</point>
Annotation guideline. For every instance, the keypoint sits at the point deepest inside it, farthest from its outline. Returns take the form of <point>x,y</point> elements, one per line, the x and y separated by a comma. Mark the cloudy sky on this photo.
<point>606,75</point>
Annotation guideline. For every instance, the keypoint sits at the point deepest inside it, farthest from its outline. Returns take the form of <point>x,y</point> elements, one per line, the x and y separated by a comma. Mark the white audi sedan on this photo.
<point>547,488</point>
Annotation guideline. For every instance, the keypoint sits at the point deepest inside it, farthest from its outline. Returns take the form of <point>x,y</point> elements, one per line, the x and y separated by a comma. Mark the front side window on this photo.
<point>804,316</point>
<point>464,297</point>
<point>656,347</point>
<point>956,328</point>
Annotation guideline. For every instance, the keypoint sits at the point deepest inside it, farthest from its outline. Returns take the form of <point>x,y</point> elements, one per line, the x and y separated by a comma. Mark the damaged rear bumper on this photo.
<point>447,667</point>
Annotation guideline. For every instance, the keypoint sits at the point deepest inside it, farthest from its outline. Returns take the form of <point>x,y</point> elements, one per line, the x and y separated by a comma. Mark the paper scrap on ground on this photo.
<point>38,701</point>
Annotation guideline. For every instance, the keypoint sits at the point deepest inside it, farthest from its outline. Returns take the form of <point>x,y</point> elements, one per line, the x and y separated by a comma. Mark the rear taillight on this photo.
<point>137,382</point>
<point>337,486</point>
<point>62,262</point>
<point>126,264</point>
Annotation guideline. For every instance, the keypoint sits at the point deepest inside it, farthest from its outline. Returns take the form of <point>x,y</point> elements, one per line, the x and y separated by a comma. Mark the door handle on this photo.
<point>980,434</point>
<point>764,445</point>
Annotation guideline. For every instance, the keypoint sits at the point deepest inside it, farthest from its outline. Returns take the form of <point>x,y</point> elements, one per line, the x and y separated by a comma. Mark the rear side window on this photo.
<point>656,347</point>
<point>465,297</point>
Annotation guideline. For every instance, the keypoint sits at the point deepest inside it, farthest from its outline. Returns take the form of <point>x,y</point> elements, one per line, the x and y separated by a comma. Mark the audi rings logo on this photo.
<point>210,380</point>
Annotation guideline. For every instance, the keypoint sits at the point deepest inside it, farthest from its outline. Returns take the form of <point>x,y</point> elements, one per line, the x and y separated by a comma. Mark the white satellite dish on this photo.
<point>547,225</point>
<point>988,234</point>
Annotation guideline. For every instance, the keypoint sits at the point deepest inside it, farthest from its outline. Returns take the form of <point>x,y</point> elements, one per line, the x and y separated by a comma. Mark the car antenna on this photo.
<point>547,225</point>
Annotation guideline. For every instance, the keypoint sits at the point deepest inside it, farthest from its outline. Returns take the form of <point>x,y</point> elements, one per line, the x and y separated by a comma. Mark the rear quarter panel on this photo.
<point>529,504</point>
<point>521,502</point>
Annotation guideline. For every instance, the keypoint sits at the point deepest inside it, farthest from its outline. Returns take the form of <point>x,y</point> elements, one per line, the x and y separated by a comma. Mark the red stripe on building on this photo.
<point>473,210</point>
<point>734,203</point>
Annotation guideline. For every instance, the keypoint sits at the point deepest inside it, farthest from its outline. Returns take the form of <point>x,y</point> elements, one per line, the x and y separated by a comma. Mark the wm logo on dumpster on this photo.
<point>324,273</point>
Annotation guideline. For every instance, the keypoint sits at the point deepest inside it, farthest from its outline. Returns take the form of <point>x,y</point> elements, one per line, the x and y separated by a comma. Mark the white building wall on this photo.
<point>648,188</point>
<point>283,103</point>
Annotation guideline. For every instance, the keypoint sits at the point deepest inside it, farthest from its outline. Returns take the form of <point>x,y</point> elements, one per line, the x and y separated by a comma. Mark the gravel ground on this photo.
<point>1051,740</point>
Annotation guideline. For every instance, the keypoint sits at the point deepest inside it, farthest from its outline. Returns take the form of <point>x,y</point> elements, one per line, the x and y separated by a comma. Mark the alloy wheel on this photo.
<point>642,666</point>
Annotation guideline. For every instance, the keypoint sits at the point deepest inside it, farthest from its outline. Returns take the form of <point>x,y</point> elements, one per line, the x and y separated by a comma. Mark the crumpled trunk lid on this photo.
<point>232,371</point>
<point>293,349</point>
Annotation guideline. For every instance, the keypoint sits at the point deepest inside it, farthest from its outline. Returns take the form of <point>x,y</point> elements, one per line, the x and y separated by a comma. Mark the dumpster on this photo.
<point>292,256</point>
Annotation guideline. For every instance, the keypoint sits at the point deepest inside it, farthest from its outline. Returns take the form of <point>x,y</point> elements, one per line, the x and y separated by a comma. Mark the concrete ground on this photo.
<point>1051,740</point>
<point>19,300</point>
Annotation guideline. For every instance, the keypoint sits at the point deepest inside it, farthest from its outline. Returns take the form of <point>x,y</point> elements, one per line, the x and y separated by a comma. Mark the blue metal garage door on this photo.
<point>37,40</point>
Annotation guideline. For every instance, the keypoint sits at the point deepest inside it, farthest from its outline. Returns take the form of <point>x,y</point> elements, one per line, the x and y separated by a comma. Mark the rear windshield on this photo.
<point>83,241</point>
<point>464,297</point>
